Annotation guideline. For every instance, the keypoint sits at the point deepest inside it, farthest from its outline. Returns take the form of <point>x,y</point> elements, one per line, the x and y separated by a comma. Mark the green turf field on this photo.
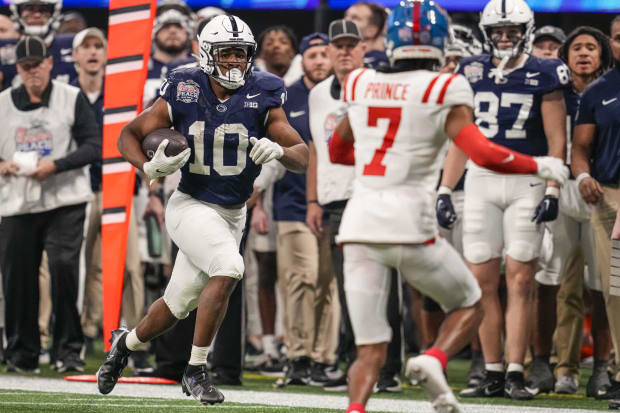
<point>256,395</point>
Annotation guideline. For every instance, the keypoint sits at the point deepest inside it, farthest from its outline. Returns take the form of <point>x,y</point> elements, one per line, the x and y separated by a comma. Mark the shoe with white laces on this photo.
<point>426,371</point>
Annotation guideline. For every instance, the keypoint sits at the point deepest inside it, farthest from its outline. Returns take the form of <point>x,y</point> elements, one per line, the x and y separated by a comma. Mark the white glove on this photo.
<point>552,169</point>
<point>265,150</point>
<point>162,165</point>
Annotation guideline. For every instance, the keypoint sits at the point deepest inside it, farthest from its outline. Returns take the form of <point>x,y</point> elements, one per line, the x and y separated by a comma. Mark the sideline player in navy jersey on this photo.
<point>518,103</point>
<point>596,164</point>
<point>586,52</point>
<point>221,108</point>
<point>38,18</point>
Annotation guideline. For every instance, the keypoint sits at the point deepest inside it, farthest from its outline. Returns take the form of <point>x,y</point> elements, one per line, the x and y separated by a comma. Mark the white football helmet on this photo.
<point>499,13</point>
<point>44,31</point>
<point>220,33</point>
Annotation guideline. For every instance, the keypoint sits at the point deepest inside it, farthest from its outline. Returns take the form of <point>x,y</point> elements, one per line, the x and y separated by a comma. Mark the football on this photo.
<point>176,142</point>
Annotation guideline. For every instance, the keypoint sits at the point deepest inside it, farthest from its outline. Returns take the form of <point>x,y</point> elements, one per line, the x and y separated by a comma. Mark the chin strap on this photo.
<point>498,72</point>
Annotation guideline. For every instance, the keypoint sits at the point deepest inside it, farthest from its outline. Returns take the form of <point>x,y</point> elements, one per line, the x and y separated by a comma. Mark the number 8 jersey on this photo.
<point>220,170</point>
<point>398,120</point>
<point>507,107</point>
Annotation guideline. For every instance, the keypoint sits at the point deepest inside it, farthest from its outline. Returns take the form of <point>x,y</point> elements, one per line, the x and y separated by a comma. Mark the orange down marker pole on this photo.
<point>129,46</point>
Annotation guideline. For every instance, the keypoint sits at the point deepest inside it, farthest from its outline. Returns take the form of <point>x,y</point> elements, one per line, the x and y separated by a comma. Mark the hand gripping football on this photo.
<point>176,142</point>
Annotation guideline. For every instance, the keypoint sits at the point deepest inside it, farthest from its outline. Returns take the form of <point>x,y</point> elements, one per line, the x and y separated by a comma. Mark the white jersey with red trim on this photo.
<point>398,120</point>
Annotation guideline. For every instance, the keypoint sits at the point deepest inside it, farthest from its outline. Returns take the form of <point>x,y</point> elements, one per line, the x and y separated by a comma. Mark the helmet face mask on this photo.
<point>502,15</point>
<point>49,8</point>
<point>227,51</point>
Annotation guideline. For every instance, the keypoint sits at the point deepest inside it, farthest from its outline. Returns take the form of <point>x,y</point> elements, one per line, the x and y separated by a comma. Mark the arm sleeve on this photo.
<point>492,156</point>
<point>341,151</point>
<point>86,133</point>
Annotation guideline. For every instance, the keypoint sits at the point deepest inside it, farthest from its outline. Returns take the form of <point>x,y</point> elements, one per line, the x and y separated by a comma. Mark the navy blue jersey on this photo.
<point>220,170</point>
<point>508,110</point>
<point>600,105</point>
<point>375,59</point>
<point>289,193</point>
<point>60,50</point>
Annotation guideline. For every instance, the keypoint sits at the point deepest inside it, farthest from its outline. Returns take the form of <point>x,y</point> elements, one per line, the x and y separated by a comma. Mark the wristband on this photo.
<point>582,176</point>
<point>444,190</point>
<point>554,191</point>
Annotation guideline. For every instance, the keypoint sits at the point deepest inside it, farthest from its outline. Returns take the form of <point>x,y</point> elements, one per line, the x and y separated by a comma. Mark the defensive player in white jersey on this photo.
<point>399,120</point>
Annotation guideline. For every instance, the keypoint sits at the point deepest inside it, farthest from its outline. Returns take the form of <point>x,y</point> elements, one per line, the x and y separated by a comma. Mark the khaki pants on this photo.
<point>92,313</point>
<point>570,314</point>
<point>603,219</point>
<point>307,280</point>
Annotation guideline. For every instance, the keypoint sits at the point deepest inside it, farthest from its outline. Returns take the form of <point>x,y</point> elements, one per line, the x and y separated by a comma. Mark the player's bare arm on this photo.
<point>295,157</point>
<point>553,110</point>
<point>155,117</point>
<point>583,137</point>
<point>454,166</point>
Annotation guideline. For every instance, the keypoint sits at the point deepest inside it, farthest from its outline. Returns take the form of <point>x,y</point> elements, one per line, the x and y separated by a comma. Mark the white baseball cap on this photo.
<point>89,32</point>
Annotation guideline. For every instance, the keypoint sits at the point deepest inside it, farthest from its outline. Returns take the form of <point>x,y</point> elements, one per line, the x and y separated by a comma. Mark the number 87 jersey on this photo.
<point>507,107</point>
<point>220,170</point>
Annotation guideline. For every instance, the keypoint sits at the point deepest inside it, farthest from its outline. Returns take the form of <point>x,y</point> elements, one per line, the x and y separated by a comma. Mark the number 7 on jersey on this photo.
<point>375,167</point>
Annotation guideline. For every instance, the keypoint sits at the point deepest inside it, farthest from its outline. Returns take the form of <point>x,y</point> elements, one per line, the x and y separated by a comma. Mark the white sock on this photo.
<point>269,345</point>
<point>199,356</point>
<point>132,342</point>
<point>515,367</point>
<point>498,367</point>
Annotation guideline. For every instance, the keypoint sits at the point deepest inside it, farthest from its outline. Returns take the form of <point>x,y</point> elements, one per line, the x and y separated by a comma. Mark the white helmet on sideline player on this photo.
<point>501,13</point>
<point>224,32</point>
<point>44,30</point>
<point>462,37</point>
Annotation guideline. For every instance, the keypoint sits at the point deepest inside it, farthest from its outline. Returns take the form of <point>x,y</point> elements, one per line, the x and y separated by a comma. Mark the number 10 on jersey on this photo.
<point>197,130</point>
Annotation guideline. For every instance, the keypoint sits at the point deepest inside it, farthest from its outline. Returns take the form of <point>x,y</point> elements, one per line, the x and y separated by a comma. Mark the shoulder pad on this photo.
<point>267,81</point>
<point>64,40</point>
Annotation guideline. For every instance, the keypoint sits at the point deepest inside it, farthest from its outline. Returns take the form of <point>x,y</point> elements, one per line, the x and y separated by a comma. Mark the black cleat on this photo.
<point>541,379</point>
<point>492,385</point>
<point>196,383</point>
<point>515,387</point>
<point>114,363</point>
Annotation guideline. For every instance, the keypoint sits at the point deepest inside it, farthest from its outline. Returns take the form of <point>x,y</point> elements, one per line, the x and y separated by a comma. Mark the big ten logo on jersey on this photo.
<point>34,138</point>
<point>385,90</point>
<point>251,105</point>
<point>228,146</point>
<point>188,91</point>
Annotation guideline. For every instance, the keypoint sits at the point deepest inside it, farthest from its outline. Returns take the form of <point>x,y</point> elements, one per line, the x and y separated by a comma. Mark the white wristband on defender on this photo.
<point>553,191</point>
<point>582,176</point>
<point>444,190</point>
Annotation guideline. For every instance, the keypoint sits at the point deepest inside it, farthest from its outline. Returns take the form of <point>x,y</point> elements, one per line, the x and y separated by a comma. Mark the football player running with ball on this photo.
<point>223,108</point>
<point>397,123</point>
<point>519,104</point>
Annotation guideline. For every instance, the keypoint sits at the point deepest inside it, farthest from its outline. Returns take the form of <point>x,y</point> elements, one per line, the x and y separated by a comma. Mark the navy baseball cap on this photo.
<point>311,40</point>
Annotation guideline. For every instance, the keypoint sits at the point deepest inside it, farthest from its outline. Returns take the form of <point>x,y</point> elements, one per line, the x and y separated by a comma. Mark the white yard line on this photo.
<point>281,399</point>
